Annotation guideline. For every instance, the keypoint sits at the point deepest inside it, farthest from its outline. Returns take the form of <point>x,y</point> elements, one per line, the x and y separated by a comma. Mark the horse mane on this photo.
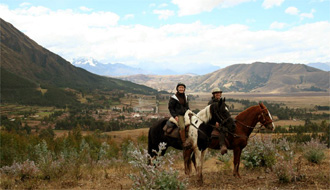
<point>205,114</point>
<point>247,111</point>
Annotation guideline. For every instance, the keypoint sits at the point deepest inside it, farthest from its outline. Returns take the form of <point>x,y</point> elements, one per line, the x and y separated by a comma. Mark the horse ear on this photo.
<point>261,105</point>
<point>224,99</point>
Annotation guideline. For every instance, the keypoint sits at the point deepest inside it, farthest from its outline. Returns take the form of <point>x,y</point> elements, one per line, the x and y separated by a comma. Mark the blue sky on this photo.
<point>177,34</point>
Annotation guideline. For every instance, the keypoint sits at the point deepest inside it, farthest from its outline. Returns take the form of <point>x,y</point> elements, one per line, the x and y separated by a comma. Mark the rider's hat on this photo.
<point>180,84</point>
<point>215,90</point>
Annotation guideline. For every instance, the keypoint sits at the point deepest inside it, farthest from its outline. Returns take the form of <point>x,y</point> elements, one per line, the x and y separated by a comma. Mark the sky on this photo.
<point>177,34</point>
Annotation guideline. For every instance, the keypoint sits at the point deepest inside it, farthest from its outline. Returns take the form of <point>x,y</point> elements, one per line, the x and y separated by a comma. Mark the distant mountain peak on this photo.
<point>85,61</point>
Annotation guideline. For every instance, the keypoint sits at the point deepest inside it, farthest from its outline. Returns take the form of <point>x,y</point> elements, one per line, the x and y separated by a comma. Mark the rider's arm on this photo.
<point>171,107</point>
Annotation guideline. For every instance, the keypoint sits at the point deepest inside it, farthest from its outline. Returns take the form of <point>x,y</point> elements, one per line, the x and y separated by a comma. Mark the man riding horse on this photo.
<point>178,105</point>
<point>219,132</point>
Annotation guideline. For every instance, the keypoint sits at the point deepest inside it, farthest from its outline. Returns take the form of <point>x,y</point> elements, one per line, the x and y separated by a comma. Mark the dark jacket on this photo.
<point>176,108</point>
<point>213,100</point>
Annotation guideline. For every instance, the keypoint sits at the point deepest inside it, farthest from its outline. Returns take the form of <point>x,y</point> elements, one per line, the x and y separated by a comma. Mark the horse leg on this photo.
<point>198,159</point>
<point>201,167</point>
<point>237,158</point>
<point>187,161</point>
<point>193,159</point>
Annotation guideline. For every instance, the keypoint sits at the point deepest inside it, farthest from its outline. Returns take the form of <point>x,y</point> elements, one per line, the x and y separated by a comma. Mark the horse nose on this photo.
<point>273,126</point>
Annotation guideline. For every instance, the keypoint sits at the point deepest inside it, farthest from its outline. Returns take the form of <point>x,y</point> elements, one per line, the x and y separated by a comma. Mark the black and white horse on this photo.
<point>216,112</point>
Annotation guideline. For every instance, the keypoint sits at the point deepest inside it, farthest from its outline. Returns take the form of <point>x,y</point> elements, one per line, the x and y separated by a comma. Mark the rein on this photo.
<point>247,126</point>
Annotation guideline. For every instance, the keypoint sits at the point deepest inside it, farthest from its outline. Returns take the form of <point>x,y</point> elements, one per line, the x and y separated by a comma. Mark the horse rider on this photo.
<point>216,96</point>
<point>178,105</point>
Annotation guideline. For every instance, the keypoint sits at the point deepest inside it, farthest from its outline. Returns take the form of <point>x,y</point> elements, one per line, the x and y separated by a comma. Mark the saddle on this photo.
<point>171,129</point>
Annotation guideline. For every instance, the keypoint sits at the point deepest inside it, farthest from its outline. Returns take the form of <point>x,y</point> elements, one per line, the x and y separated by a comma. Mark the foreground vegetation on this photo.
<point>33,161</point>
<point>32,156</point>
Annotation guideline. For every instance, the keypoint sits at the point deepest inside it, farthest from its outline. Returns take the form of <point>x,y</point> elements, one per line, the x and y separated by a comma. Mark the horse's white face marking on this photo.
<point>270,116</point>
<point>227,108</point>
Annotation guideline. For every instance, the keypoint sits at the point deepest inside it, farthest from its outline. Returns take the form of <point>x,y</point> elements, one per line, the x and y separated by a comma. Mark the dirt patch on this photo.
<point>119,136</point>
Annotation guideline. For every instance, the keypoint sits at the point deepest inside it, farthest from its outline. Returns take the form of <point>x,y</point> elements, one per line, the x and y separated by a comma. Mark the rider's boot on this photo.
<point>185,144</point>
<point>223,147</point>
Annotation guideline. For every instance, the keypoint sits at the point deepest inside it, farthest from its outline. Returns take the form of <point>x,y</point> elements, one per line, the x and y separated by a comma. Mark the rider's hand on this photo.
<point>176,118</point>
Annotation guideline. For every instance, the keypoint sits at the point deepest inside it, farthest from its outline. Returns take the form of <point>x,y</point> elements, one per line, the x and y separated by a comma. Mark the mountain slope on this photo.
<point>265,77</point>
<point>255,77</point>
<point>23,57</point>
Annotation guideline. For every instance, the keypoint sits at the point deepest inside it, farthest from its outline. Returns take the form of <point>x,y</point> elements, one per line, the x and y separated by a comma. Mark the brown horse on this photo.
<point>245,123</point>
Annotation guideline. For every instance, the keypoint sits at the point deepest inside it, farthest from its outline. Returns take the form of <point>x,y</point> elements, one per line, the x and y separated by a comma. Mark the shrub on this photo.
<point>284,170</point>
<point>226,159</point>
<point>259,153</point>
<point>158,175</point>
<point>27,169</point>
<point>313,151</point>
<point>285,149</point>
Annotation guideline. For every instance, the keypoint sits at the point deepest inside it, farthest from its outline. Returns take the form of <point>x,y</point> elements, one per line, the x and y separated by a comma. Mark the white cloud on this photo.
<point>307,15</point>
<point>83,8</point>
<point>292,11</point>
<point>163,14</point>
<point>295,11</point>
<point>278,25</point>
<point>128,16</point>
<point>71,34</point>
<point>192,7</point>
<point>267,4</point>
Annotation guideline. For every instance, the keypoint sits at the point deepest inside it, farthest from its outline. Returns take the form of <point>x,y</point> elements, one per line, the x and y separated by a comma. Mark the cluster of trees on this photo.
<point>306,132</point>
<point>284,113</point>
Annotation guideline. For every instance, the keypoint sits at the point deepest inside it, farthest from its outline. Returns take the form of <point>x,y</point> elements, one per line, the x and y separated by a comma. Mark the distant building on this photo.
<point>144,109</point>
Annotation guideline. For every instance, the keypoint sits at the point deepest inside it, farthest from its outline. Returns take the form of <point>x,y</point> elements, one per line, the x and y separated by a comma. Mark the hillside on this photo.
<point>255,77</point>
<point>160,82</point>
<point>23,57</point>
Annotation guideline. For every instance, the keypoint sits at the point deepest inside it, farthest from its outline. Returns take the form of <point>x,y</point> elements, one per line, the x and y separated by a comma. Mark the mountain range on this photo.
<point>255,77</point>
<point>23,61</point>
<point>31,74</point>
<point>119,69</point>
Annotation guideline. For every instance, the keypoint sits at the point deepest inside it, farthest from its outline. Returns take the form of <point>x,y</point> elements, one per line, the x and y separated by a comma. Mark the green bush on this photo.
<point>313,151</point>
<point>285,169</point>
<point>259,153</point>
<point>158,175</point>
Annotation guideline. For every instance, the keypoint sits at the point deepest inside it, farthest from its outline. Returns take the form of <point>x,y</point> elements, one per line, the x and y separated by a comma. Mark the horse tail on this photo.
<point>150,142</point>
<point>155,136</point>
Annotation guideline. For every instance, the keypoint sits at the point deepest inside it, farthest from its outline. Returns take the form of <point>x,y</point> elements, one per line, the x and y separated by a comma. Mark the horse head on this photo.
<point>222,115</point>
<point>265,117</point>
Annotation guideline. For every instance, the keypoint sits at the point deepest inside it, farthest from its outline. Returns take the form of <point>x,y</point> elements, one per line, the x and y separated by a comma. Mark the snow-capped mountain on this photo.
<point>85,61</point>
<point>117,69</point>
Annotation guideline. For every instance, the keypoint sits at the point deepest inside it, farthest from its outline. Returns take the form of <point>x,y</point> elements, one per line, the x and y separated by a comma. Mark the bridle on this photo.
<point>262,122</point>
<point>219,118</point>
